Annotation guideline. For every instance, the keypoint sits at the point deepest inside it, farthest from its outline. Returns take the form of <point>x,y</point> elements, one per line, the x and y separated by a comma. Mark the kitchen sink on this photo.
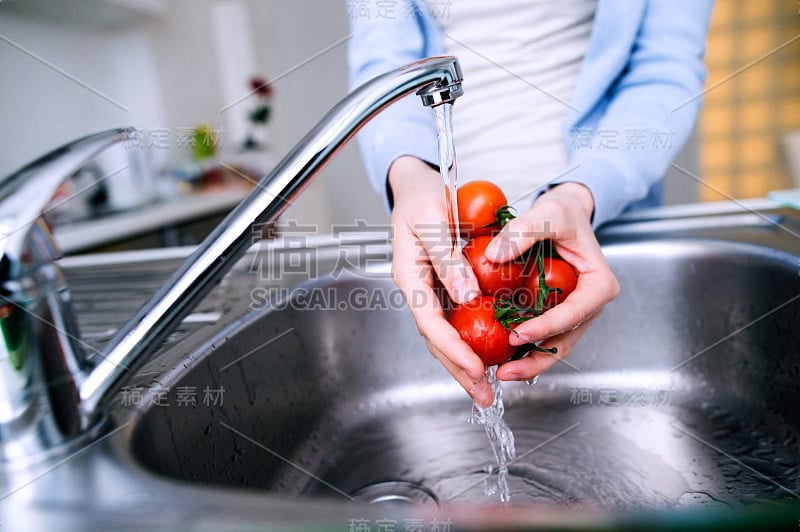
<point>682,395</point>
<point>299,395</point>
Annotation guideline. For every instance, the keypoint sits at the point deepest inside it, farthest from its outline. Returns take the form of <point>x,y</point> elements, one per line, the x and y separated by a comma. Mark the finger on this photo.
<point>434,245</point>
<point>412,273</point>
<point>452,352</point>
<point>447,346</point>
<point>517,237</point>
<point>536,362</point>
<point>593,291</point>
<point>478,389</point>
<point>443,340</point>
<point>441,335</point>
<point>585,256</point>
<point>414,280</point>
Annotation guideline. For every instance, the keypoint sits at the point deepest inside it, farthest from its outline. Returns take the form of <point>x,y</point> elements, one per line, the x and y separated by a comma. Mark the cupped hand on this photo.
<point>562,215</point>
<point>422,252</point>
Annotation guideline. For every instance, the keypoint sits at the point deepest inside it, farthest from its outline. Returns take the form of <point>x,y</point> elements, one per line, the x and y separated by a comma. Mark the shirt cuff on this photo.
<point>386,138</point>
<point>611,189</point>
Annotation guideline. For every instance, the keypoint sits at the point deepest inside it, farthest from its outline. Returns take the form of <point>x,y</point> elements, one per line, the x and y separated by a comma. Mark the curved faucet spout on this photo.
<point>437,80</point>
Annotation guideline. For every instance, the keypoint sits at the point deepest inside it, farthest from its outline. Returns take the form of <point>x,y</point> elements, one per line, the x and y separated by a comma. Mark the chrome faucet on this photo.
<point>51,392</point>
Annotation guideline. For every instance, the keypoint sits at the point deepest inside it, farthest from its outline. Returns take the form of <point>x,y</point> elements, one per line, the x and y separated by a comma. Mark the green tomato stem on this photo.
<point>502,216</point>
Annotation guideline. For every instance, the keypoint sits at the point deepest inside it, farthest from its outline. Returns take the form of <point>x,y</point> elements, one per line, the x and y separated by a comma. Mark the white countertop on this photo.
<point>82,235</point>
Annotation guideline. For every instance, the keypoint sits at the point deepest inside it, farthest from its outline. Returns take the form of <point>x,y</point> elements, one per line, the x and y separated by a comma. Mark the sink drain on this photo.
<point>395,493</point>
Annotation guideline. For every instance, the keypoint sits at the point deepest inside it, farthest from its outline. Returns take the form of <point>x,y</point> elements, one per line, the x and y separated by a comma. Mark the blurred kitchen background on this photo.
<point>180,70</point>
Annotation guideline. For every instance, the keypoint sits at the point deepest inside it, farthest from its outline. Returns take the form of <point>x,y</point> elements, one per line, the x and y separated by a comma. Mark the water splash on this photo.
<point>500,436</point>
<point>501,439</point>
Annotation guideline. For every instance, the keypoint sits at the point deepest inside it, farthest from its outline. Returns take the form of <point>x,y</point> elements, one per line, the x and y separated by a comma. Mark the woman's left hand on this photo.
<point>562,215</point>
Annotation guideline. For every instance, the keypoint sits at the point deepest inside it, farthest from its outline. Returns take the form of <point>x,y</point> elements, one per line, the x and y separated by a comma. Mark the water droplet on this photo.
<point>533,381</point>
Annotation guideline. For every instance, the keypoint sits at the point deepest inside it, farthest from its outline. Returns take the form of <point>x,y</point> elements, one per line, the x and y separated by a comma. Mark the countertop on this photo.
<point>115,227</point>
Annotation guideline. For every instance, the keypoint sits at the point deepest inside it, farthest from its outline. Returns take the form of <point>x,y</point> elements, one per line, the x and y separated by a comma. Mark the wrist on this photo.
<point>579,193</point>
<point>409,173</point>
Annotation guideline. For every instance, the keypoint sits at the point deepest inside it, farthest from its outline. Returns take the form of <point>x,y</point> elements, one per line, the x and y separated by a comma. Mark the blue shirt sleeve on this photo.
<point>652,80</point>
<point>641,81</point>
<point>381,42</point>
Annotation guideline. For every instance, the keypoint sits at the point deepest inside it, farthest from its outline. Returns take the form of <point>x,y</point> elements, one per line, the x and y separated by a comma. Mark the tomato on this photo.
<point>495,279</point>
<point>557,274</point>
<point>476,324</point>
<point>478,202</point>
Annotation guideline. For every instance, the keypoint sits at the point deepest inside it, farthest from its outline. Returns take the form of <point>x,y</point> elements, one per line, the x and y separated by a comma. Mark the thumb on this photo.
<point>514,239</point>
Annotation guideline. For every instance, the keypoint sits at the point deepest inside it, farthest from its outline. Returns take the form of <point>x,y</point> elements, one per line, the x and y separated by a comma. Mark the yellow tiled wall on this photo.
<point>752,98</point>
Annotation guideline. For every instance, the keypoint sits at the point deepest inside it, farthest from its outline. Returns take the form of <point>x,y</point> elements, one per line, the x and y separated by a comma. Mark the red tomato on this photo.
<point>495,279</point>
<point>476,323</point>
<point>478,202</point>
<point>557,274</point>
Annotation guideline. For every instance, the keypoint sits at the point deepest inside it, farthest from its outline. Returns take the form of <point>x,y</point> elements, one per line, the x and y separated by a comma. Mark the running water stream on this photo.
<point>500,436</point>
<point>447,169</point>
<point>501,439</point>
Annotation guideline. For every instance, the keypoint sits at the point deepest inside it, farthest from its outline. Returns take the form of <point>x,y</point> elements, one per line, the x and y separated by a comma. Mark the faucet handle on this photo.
<point>26,193</point>
<point>41,360</point>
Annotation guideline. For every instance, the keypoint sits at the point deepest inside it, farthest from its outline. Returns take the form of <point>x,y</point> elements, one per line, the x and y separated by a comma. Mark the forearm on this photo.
<point>620,149</point>
<point>381,44</point>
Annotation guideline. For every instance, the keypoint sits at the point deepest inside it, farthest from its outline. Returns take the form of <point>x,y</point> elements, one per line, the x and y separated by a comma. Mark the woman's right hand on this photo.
<point>422,252</point>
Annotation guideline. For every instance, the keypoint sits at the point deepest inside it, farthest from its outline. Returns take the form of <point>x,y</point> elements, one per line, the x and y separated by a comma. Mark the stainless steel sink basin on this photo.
<point>323,409</point>
<point>683,395</point>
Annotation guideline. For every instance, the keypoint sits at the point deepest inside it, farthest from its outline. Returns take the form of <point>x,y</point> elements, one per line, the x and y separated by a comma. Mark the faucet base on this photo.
<point>38,438</point>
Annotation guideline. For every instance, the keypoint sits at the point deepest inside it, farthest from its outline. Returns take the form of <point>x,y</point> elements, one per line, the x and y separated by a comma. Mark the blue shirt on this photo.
<point>634,103</point>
